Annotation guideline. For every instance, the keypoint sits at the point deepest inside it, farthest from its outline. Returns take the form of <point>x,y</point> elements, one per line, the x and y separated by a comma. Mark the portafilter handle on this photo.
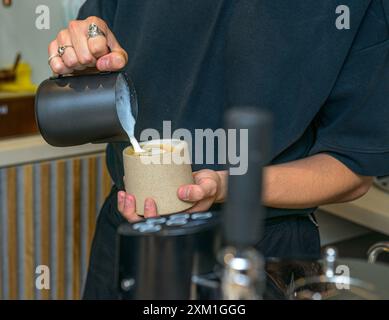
<point>244,213</point>
<point>243,274</point>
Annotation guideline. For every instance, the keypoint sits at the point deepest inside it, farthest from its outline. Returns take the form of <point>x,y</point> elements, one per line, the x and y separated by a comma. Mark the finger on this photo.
<point>121,198</point>
<point>117,58</point>
<point>113,61</point>
<point>57,64</point>
<point>208,184</point>
<point>196,192</point>
<point>129,210</point>
<point>69,57</point>
<point>201,206</point>
<point>191,193</point>
<point>78,32</point>
<point>98,46</point>
<point>112,56</point>
<point>150,209</point>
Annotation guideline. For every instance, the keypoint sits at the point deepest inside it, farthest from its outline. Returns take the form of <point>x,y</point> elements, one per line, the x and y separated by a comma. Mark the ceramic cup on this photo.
<point>158,173</point>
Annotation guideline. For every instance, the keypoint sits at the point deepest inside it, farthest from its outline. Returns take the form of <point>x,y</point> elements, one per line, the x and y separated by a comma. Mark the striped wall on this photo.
<point>47,217</point>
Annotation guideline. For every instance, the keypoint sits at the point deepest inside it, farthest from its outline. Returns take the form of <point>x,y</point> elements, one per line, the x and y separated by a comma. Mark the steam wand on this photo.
<point>243,275</point>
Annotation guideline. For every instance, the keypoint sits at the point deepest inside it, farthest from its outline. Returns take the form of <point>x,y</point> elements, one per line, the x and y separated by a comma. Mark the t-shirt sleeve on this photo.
<point>104,9</point>
<point>353,124</point>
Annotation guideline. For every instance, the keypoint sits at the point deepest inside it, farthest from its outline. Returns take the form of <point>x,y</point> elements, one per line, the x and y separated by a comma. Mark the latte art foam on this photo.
<point>151,150</point>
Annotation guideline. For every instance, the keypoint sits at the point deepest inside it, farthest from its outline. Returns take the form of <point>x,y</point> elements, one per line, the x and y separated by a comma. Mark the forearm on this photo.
<point>311,182</point>
<point>305,183</point>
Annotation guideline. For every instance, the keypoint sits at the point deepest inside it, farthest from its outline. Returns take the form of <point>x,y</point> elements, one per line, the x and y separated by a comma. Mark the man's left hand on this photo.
<point>209,187</point>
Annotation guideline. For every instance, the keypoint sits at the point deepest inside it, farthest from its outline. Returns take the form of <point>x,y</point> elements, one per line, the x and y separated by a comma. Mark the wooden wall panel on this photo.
<point>46,194</point>
<point>45,220</point>
<point>12,232</point>
<point>76,226</point>
<point>61,229</point>
<point>107,183</point>
<point>29,232</point>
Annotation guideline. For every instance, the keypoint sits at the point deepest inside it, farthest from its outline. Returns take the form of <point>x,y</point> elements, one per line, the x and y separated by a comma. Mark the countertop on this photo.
<point>16,151</point>
<point>371,210</point>
<point>10,95</point>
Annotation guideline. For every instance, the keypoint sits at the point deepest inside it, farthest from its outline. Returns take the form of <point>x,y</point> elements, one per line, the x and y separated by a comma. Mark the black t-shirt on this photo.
<point>328,89</point>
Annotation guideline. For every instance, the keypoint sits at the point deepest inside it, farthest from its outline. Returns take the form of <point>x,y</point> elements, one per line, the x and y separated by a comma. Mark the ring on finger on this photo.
<point>61,49</point>
<point>94,31</point>
<point>52,57</point>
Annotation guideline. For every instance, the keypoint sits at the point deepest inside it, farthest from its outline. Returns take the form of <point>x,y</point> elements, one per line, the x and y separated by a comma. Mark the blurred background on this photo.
<point>50,197</point>
<point>18,32</point>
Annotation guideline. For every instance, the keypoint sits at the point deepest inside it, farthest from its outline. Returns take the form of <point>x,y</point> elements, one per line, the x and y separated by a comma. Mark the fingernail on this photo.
<point>104,63</point>
<point>181,193</point>
<point>149,203</point>
<point>121,196</point>
<point>184,193</point>
<point>129,201</point>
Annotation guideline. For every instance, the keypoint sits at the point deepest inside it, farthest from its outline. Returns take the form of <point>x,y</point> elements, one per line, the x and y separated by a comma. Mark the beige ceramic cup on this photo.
<point>158,174</point>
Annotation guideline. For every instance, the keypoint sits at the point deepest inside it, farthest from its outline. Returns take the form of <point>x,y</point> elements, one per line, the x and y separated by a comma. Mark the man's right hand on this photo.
<point>127,207</point>
<point>104,53</point>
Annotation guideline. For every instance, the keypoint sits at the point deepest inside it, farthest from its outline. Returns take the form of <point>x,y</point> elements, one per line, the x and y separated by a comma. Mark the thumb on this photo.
<point>203,189</point>
<point>113,61</point>
<point>116,59</point>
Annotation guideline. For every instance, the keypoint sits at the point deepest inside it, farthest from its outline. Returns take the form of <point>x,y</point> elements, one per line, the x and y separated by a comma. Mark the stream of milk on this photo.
<point>124,112</point>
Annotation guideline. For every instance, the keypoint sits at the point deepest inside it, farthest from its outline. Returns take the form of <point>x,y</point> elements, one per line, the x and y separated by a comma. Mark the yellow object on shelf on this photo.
<point>22,82</point>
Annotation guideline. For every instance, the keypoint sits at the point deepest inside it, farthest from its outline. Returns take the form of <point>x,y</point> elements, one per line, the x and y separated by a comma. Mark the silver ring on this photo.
<point>52,57</point>
<point>94,31</point>
<point>61,50</point>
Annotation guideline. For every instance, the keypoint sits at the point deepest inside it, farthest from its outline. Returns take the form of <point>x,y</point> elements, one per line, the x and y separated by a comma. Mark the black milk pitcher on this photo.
<point>76,109</point>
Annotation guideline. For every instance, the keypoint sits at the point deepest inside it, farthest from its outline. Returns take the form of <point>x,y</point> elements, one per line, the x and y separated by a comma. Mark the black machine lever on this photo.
<point>244,213</point>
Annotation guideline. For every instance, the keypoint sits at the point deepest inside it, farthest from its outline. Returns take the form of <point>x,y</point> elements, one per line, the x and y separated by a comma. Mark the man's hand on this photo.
<point>210,187</point>
<point>104,53</point>
<point>127,207</point>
